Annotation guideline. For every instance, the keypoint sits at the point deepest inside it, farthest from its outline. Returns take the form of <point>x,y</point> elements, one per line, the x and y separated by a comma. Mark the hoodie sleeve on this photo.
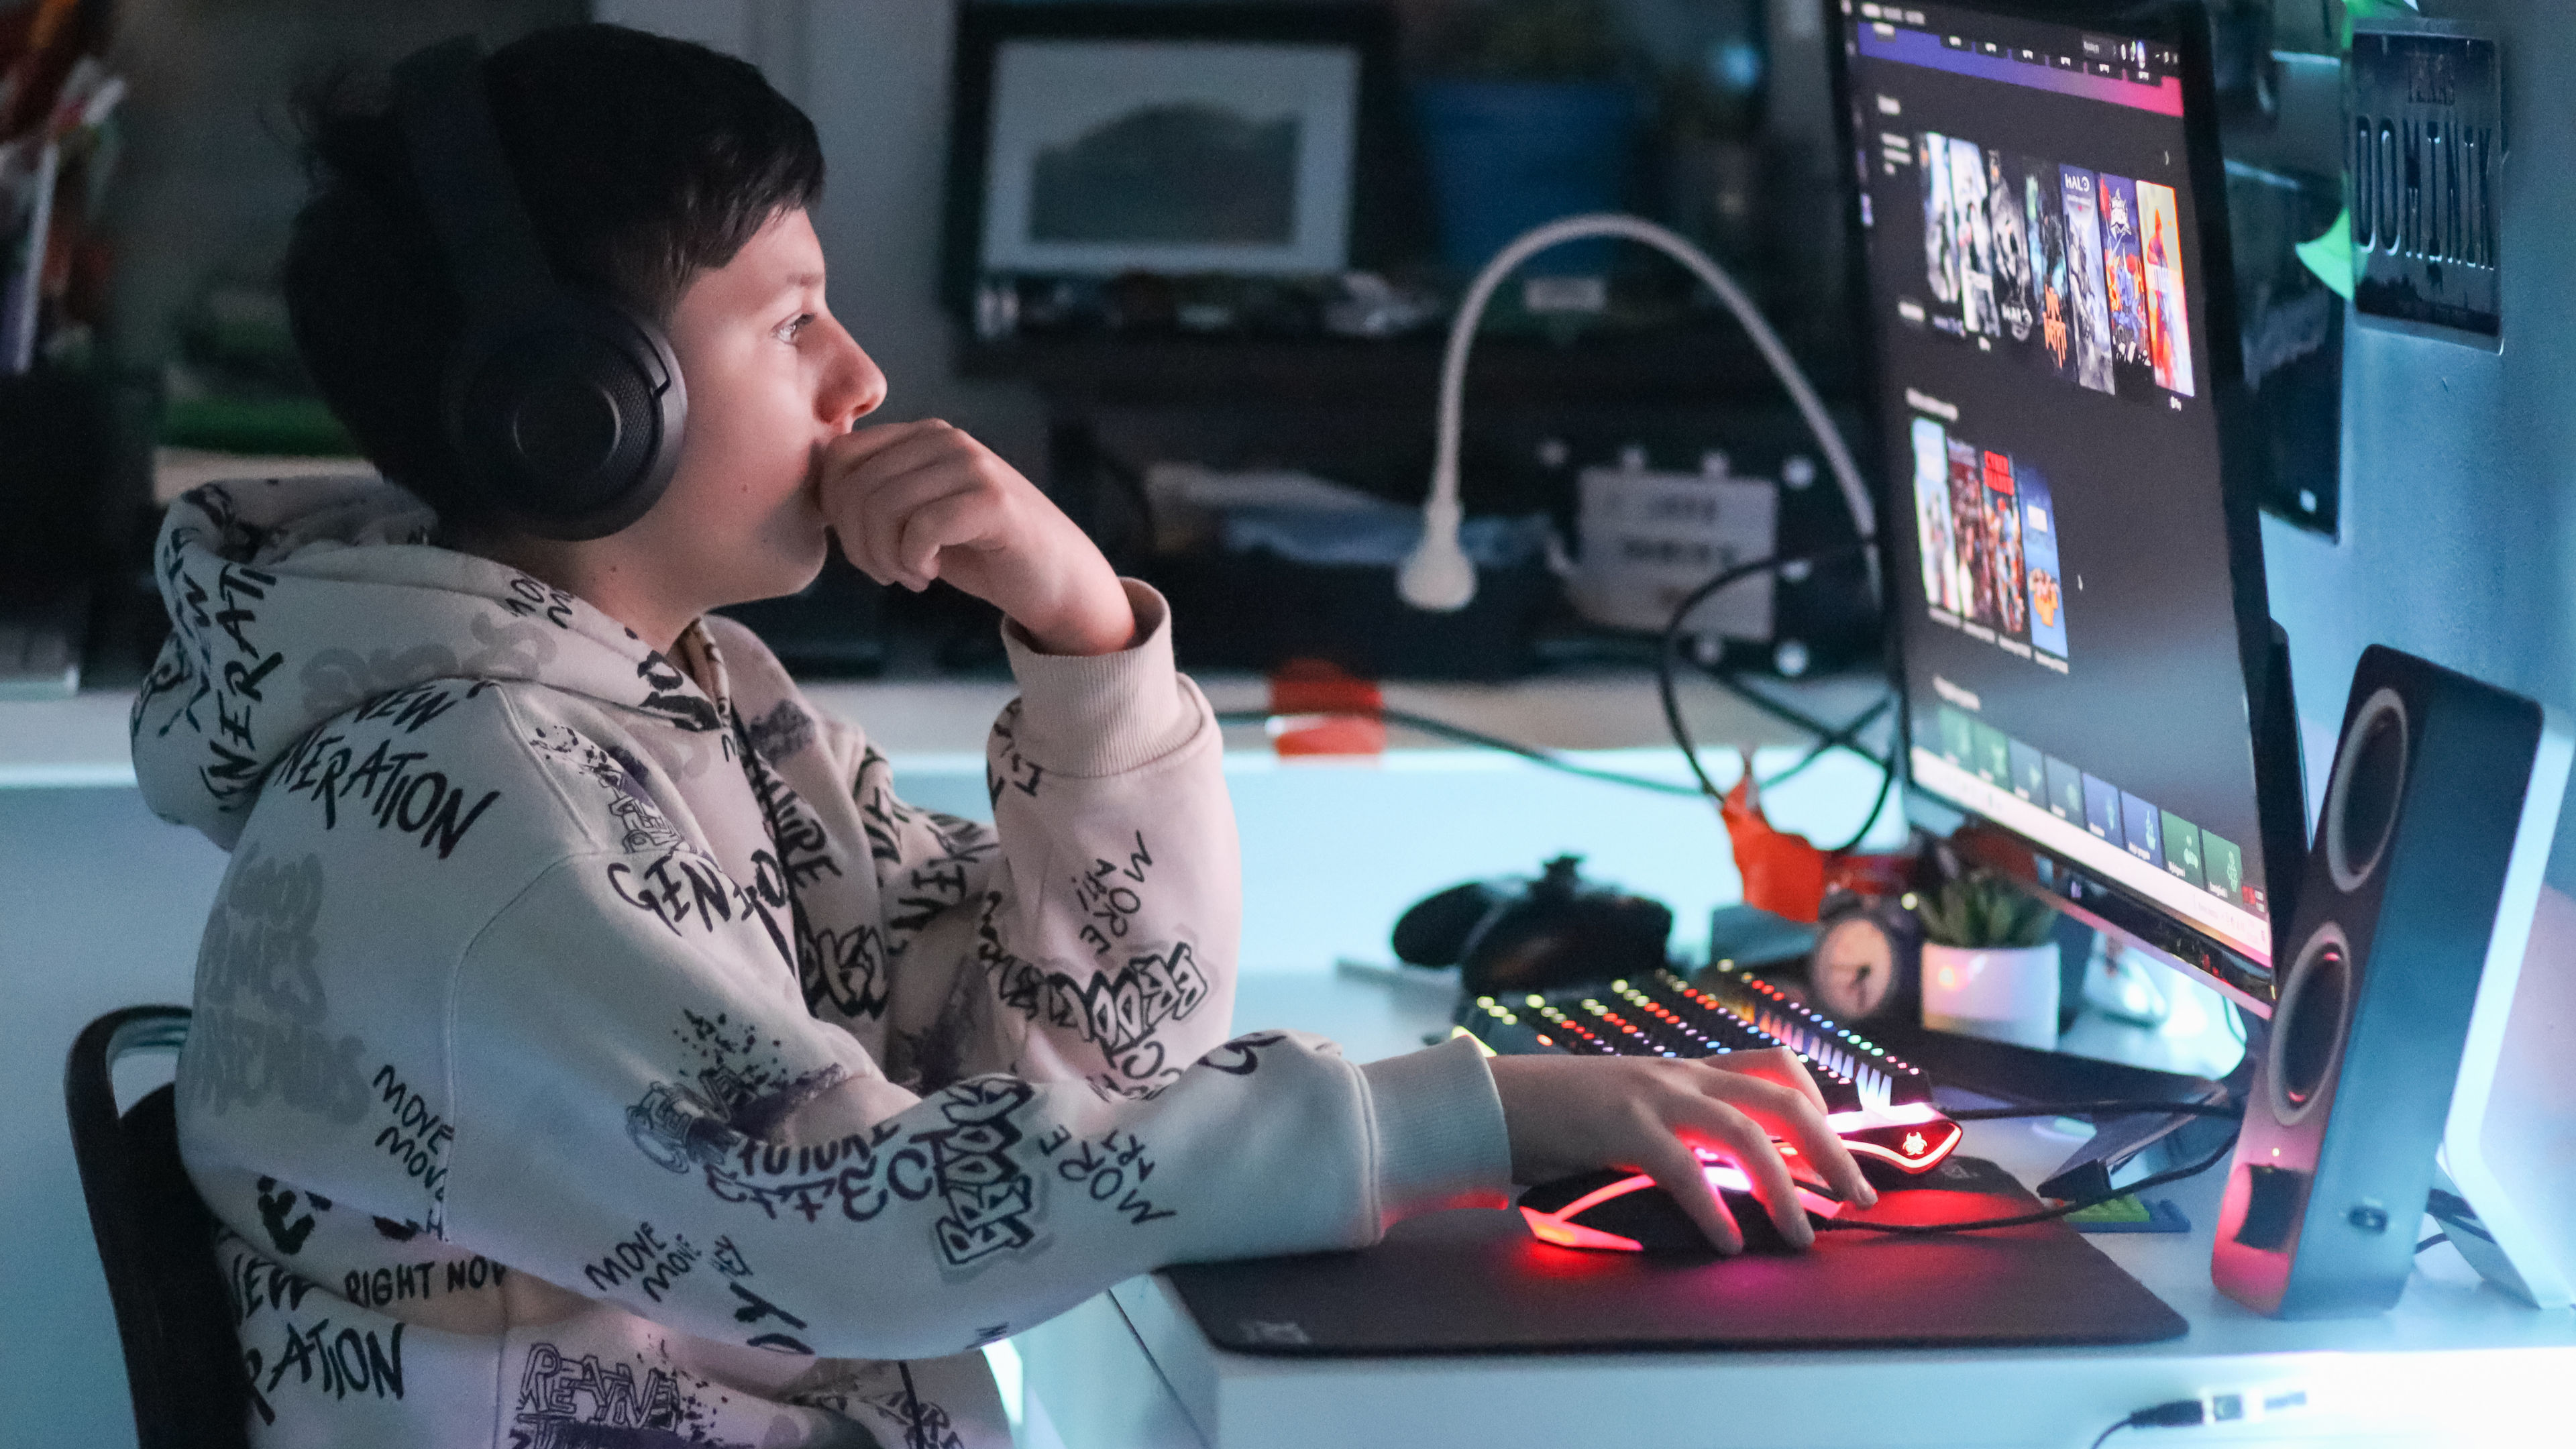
<point>645,1112</point>
<point>1091,933</point>
<point>1112,932</point>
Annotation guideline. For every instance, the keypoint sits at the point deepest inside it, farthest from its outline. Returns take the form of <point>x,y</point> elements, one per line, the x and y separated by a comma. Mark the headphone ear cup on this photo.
<point>567,420</point>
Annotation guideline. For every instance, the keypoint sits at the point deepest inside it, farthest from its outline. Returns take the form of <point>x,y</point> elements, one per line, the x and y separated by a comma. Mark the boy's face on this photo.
<point>771,378</point>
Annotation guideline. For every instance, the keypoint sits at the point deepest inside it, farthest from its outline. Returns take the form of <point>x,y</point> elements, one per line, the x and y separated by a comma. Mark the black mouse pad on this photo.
<point>1475,1281</point>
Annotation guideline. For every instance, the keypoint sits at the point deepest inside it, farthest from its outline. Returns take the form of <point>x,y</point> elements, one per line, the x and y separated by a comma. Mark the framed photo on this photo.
<point>1096,139</point>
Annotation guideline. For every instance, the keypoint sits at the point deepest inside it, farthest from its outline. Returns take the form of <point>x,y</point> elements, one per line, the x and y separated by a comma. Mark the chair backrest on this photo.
<point>156,1241</point>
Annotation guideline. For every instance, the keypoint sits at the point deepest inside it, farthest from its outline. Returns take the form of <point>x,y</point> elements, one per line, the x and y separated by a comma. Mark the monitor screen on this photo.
<point>2063,575</point>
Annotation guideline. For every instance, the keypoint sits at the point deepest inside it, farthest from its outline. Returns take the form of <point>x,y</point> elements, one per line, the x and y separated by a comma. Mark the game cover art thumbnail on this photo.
<point>1959,235</point>
<point>2010,222</point>
<point>2002,559</point>
<point>2080,190</point>
<point>1976,234</point>
<point>2039,560</point>
<point>1940,238</point>
<point>2124,280</point>
<point>1968,532</point>
<point>2077,271</point>
<point>1987,527</point>
<point>1945,586</point>
<point>2168,328</point>
<point>2044,219</point>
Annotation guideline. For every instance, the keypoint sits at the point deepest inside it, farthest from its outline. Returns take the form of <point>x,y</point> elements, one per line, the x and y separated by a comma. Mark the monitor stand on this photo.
<point>2122,1148</point>
<point>2110,1066</point>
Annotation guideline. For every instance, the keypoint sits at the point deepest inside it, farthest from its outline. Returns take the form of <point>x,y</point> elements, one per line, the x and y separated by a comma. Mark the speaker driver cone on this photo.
<point>2308,1026</point>
<point>2369,776</point>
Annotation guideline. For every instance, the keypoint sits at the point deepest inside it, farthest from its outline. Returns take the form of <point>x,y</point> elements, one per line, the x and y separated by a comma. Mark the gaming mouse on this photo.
<point>1614,1210</point>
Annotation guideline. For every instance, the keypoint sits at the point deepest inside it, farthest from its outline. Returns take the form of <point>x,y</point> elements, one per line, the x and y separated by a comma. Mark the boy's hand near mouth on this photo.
<point>913,502</point>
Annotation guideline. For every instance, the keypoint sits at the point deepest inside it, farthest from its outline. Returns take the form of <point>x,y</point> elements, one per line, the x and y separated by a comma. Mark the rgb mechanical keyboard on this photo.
<point>1878,1103</point>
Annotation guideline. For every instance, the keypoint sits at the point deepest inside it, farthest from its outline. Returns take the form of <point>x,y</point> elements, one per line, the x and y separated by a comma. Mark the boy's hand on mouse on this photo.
<point>1567,1115</point>
<point>913,502</point>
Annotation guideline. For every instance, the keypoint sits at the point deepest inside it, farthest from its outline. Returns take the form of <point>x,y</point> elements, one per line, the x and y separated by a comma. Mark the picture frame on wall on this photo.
<point>1097,139</point>
<point>1177,156</point>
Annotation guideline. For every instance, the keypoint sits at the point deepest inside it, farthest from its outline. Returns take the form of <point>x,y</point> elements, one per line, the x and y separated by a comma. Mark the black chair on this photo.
<point>156,1240</point>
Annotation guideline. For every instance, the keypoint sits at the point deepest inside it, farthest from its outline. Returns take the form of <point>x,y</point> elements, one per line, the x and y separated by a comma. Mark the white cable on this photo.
<point>1438,576</point>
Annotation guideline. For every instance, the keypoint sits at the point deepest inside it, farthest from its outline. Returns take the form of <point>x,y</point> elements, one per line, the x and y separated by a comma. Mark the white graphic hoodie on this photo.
<point>585,1057</point>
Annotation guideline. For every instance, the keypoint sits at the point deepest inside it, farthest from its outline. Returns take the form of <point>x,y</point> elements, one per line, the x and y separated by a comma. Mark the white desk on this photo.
<point>2456,1363</point>
<point>102,906</point>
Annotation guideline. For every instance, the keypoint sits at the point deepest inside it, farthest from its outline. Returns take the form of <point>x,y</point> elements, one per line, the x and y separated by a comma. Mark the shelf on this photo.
<point>1666,367</point>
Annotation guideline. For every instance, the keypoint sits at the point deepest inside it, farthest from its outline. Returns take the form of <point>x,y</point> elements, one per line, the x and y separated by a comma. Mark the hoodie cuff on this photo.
<point>1440,1137</point>
<point>1104,714</point>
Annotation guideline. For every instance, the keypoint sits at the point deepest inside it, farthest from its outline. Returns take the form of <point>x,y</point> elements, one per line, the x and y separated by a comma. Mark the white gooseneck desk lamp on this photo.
<point>1437,576</point>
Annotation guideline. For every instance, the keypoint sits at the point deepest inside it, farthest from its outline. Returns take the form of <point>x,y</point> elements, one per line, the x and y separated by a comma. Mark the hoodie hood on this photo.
<point>296,600</point>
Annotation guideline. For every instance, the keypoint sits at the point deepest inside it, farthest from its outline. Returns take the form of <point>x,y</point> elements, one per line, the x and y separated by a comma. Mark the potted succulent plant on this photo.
<point>1990,961</point>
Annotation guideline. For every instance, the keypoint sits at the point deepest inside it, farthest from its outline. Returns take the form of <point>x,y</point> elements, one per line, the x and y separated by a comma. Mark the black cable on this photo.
<point>2453,1210</point>
<point>2173,1414</point>
<point>1664,655</point>
<point>1464,735</point>
<point>1832,739</point>
<point>1828,738</point>
<point>1845,738</point>
<point>1789,714</point>
<point>2080,1109</point>
<point>2137,1107</point>
<point>1667,693</point>
<point>2044,1215</point>
<point>1886,787</point>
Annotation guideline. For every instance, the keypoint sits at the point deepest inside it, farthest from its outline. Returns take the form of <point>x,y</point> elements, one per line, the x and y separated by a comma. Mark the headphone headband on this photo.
<point>483,229</point>
<point>564,411</point>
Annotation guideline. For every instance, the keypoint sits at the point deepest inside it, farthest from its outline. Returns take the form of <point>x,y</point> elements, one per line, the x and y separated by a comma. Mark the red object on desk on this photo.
<point>1318,709</point>
<point>1783,873</point>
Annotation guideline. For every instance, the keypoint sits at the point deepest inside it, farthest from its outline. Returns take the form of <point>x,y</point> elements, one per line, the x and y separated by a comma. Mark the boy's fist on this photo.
<point>919,501</point>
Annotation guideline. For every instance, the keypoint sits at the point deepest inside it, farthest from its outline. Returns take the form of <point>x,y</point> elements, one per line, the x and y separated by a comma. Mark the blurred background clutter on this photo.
<point>65,414</point>
<point>1236,266</point>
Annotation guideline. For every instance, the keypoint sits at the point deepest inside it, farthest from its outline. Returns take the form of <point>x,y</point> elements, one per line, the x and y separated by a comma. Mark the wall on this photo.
<point>2459,542</point>
<point>208,140</point>
<point>208,180</point>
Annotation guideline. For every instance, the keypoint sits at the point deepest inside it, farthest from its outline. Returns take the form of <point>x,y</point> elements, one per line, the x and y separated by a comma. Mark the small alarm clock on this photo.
<point>1867,962</point>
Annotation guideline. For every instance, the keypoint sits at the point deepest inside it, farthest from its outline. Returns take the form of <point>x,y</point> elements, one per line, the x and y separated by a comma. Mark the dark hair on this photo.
<point>642,161</point>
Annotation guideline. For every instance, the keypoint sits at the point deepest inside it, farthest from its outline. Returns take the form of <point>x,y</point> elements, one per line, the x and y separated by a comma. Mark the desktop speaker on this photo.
<point>2425,870</point>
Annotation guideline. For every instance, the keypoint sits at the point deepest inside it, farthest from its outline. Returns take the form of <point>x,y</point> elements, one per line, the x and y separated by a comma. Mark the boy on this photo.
<point>589,1046</point>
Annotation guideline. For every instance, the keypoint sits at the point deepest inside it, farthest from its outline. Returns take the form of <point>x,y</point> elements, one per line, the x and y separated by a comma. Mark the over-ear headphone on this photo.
<point>564,409</point>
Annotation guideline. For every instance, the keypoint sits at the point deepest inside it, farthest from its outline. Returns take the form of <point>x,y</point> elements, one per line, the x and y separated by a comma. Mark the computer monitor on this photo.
<point>2073,560</point>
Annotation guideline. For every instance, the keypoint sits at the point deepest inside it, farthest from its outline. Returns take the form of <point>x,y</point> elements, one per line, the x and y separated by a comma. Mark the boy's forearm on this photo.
<point>1116,939</point>
<point>1086,616</point>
